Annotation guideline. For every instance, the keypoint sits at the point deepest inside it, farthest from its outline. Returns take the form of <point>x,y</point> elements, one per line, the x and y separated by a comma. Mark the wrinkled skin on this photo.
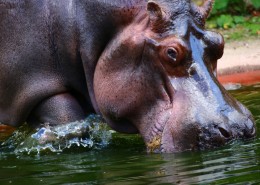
<point>146,67</point>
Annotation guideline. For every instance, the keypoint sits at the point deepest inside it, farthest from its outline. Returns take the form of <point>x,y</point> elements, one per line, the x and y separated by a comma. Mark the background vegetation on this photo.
<point>235,19</point>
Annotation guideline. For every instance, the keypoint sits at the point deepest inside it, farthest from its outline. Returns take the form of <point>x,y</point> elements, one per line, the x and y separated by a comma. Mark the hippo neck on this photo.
<point>119,12</point>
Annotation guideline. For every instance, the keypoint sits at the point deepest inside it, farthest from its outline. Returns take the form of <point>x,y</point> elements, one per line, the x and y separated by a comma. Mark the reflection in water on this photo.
<point>124,160</point>
<point>237,163</point>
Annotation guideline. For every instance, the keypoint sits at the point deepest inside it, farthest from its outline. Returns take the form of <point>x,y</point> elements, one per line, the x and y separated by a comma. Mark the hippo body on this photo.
<point>146,67</point>
<point>41,42</point>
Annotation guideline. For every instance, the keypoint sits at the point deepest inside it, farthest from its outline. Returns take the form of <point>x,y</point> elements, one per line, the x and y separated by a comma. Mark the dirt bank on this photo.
<point>243,58</point>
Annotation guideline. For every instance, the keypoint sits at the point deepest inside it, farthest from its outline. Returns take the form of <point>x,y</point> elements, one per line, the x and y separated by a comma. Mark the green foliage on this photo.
<point>219,6</point>
<point>233,7</point>
<point>256,4</point>
<point>229,7</point>
<point>235,17</point>
<point>254,28</point>
<point>225,21</point>
<point>238,19</point>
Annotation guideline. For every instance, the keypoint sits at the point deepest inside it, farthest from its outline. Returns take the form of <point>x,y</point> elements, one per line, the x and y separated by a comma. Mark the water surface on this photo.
<point>122,159</point>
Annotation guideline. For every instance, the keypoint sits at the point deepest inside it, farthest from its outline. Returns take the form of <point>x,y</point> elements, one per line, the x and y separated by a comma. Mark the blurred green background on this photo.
<point>235,19</point>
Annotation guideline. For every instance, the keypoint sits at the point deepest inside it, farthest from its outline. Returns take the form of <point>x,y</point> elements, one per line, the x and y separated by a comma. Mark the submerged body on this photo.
<point>146,67</point>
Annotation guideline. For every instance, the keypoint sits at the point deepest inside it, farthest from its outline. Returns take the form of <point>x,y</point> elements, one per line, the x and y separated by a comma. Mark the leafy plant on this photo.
<point>238,19</point>
<point>233,7</point>
<point>256,4</point>
<point>230,13</point>
<point>225,21</point>
<point>219,6</point>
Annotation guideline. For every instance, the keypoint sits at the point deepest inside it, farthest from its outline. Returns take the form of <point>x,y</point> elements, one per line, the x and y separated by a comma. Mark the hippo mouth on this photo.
<point>211,136</point>
<point>173,134</point>
<point>168,142</point>
<point>155,145</point>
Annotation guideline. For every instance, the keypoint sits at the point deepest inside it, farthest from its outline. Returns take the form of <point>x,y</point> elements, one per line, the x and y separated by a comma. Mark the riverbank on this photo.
<point>240,62</point>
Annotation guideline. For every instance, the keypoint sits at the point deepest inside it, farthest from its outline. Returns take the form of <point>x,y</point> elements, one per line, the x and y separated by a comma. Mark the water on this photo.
<point>112,158</point>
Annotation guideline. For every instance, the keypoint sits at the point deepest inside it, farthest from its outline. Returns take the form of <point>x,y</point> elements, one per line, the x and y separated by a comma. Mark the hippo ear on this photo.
<point>201,13</point>
<point>157,16</point>
<point>154,10</point>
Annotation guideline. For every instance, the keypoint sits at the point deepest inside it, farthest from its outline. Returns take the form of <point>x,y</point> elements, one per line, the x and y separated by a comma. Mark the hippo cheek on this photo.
<point>126,98</point>
<point>128,105</point>
<point>130,92</point>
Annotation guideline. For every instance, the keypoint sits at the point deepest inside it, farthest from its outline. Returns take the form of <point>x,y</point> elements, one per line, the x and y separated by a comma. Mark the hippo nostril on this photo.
<point>224,132</point>
<point>250,131</point>
<point>253,131</point>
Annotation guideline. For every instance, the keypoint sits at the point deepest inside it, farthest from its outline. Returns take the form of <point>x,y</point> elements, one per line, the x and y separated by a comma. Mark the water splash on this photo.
<point>89,133</point>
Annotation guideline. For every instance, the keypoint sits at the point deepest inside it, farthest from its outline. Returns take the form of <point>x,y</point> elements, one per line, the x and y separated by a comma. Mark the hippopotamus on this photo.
<point>146,67</point>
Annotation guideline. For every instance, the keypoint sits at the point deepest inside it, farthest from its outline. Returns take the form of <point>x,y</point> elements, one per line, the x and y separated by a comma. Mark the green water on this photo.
<point>124,161</point>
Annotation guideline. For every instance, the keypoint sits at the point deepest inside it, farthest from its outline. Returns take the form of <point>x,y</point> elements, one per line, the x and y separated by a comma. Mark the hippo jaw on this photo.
<point>159,80</point>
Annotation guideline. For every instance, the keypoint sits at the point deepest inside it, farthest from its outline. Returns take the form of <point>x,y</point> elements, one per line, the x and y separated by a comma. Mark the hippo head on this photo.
<point>157,77</point>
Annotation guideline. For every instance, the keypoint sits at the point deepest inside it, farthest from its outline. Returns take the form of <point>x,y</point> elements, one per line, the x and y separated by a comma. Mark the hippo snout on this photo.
<point>206,129</point>
<point>218,134</point>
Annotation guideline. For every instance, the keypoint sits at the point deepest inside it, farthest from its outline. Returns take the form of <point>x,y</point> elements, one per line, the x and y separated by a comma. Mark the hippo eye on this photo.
<point>172,54</point>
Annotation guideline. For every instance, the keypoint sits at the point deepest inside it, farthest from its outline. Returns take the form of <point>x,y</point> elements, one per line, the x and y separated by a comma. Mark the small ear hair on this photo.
<point>154,10</point>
